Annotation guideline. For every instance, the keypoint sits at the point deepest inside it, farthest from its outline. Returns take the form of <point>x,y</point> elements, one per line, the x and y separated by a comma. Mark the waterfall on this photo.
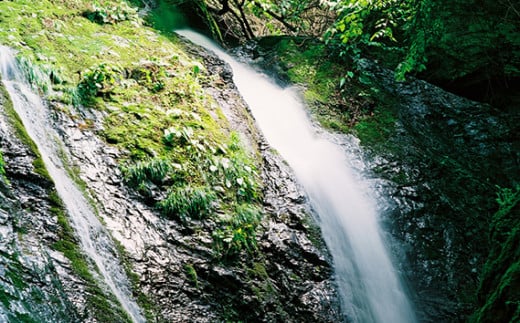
<point>368,283</point>
<point>94,239</point>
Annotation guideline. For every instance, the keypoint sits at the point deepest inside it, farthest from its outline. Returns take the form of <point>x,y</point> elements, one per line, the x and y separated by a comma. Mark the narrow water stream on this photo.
<point>95,240</point>
<point>369,284</point>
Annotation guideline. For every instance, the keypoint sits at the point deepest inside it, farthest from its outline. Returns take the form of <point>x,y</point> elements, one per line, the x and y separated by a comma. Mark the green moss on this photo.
<point>306,64</point>
<point>313,232</point>
<point>376,129</point>
<point>24,318</point>
<point>5,298</point>
<point>39,166</point>
<point>17,281</point>
<point>499,290</point>
<point>192,274</point>
<point>2,164</point>
<point>103,306</point>
<point>258,270</point>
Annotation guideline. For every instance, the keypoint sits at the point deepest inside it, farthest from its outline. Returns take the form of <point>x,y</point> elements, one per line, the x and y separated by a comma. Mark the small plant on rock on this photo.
<point>188,202</point>
<point>240,231</point>
<point>2,163</point>
<point>99,81</point>
<point>111,14</point>
<point>153,170</point>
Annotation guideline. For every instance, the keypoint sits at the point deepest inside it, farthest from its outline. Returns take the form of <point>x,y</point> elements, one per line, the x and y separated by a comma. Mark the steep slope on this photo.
<point>439,160</point>
<point>209,223</point>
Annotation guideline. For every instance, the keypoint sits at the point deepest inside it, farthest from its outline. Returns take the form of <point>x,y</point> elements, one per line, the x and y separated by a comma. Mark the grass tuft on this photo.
<point>188,202</point>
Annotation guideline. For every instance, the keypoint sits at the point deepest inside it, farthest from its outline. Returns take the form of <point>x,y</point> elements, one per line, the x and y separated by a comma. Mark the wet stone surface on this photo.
<point>449,155</point>
<point>35,280</point>
<point>289,280</point>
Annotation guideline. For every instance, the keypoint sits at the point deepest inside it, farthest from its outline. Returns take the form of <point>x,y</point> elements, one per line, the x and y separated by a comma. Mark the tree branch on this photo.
<point>225,7</point>
<point>281,19</point>
<point>245,22</point>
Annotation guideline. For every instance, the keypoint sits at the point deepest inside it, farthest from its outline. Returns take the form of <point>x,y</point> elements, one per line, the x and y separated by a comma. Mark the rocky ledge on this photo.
<point>174,271</point>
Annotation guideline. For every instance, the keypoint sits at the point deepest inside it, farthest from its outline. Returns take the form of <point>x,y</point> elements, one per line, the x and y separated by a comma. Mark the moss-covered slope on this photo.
<point>176,174</point>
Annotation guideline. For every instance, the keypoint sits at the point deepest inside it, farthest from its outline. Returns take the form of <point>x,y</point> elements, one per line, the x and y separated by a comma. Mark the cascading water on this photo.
<point>370,287</point>
<point>94,239</point>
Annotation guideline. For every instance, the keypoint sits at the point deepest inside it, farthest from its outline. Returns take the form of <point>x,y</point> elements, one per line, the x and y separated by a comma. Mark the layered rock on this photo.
<point>175,268</point>
<point>36,281</point>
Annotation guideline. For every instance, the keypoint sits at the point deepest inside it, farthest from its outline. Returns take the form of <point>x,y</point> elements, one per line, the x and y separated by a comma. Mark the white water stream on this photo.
<point>95,240</point>
<point>369,285</point>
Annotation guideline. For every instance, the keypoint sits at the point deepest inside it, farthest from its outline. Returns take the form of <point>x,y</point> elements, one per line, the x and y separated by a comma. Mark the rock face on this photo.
<point>176,273</point>
<point>438,175</point>
<point>36,282</point>
<point>443,165</point>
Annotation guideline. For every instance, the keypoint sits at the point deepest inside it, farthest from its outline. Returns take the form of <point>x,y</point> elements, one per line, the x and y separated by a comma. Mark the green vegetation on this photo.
<point>23,301</point>
<point>111,13</point>
<point>499,295</point>
<point>188,202</point>
<point>13,272</point>
<point>151,93</point>
<point>2,164</point>
<point>192,274</point>
<point>238,232</point>
<point>104,307</point>
<point>165,18</point>
<point>179,154</point>
<point>22,134</point>
<point>100,81</point>
<point>375,29</point>
<point>472,50</point>
<point>351,103</point>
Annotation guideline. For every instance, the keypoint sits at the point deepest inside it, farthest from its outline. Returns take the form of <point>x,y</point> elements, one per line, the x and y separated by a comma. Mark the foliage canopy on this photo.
<point>474,46</point>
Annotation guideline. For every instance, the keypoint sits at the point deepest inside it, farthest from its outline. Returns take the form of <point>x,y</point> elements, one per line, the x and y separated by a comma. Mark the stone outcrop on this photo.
<point>175,271</point>
<point>35,281</point>
<point>443,164</point>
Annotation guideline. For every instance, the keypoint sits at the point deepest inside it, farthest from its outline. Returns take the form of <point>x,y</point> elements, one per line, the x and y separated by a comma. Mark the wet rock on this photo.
<point>289,279</point>
<point>34,285</point>
<point>452,153</point>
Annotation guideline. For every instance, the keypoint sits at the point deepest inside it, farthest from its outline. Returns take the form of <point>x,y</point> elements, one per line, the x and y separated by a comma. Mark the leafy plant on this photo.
<point>154,170</point>
<point>507,198</point>
<point>235,171</point>
<point>188,202</point>
<point>240,231</point>
<point>111,14</point>
<point>174,136</point>
<point>192,274</point>
<point>369,26</point>
<point>99,81</point>
<point>2,165</point>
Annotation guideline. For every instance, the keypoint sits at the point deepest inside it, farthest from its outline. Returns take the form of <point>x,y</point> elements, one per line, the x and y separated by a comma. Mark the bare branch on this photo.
<point>277,17</point>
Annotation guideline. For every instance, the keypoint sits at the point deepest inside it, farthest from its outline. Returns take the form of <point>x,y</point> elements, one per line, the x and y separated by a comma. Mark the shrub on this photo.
<point>99,81</point>
<point>240,233</point>
<point>188,202</point>
<point>236,172</point>
<point>153,170</point>
<point>111,15</point>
